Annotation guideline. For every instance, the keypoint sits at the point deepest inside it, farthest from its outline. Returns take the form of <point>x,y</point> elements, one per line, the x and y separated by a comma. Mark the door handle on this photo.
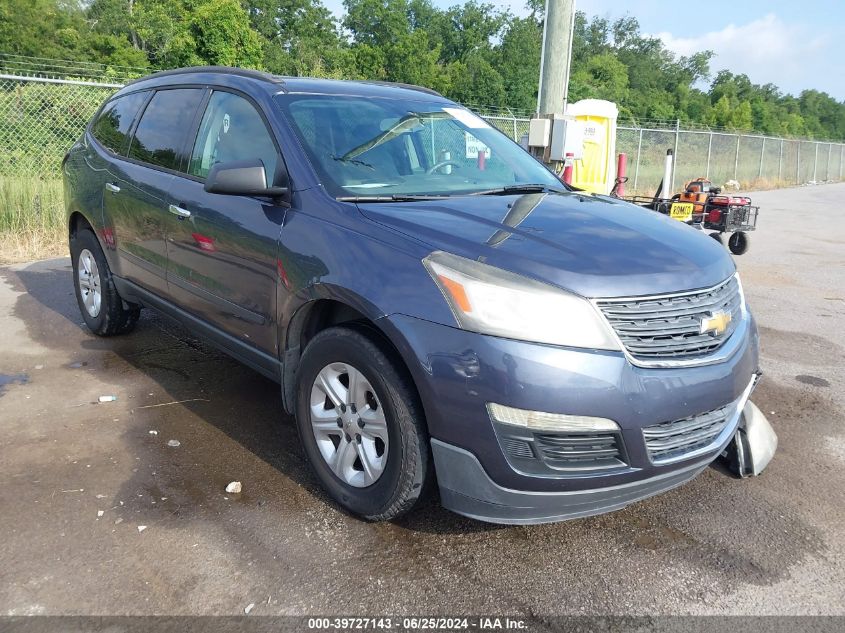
<point>182,213</point>
<point>113,188</point>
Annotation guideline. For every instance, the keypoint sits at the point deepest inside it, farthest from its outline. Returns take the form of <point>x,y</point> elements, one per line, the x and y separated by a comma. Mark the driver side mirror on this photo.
<point>242,178</point>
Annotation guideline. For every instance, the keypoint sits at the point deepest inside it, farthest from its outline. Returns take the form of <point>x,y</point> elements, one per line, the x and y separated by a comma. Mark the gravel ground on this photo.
<point>771,545</point>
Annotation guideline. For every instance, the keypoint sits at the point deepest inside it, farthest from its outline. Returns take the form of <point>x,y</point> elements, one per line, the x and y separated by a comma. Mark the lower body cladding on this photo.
<point>654,429</point>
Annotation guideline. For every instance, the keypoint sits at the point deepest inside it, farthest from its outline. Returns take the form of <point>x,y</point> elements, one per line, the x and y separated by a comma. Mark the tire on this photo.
<point>404,464</point>
<point>102,308</point>
<point>717,237</point>
<point>738,243</point>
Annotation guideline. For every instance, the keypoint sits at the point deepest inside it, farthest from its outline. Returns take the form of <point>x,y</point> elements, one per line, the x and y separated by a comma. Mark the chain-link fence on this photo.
<point>41,118</point>
<point>752,160</point>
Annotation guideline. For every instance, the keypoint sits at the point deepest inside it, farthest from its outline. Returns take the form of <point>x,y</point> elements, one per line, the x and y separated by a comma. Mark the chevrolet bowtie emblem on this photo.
<point>716,323</point>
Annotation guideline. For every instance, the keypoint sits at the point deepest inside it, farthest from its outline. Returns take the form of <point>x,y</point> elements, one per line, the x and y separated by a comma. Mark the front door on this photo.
<point>222,249</point>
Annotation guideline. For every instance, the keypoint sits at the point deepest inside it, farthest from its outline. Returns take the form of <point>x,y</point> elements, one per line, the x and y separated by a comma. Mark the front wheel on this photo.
<point>361,424</point>
<point>738,243</point>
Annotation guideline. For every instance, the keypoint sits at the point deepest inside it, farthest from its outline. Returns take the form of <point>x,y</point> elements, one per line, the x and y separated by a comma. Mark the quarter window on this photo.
<point>112,126</point>
<point>231,129</point>
<point>161,131</point>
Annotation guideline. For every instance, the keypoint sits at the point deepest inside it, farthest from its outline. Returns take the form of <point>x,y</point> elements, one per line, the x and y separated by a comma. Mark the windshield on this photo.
<point>393,147</point>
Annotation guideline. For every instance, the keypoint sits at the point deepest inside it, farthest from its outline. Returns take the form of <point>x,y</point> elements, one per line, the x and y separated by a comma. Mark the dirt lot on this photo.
<point>775,544</point>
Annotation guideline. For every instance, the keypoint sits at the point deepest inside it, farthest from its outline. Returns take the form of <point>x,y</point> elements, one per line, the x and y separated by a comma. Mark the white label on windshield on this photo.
<point>475,147</point>
<point>467,118</point>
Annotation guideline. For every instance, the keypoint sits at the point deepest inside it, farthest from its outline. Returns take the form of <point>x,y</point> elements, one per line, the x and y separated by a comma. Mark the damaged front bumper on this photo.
<point>753,445</point>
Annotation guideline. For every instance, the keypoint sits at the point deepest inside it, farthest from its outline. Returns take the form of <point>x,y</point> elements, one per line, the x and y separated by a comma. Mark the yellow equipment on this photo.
<point>595,169</point>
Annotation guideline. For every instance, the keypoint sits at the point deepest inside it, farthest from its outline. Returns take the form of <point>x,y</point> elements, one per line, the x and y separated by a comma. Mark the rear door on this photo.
<point>136,197</point>
<point>105,160</point>
<point>222,248</point>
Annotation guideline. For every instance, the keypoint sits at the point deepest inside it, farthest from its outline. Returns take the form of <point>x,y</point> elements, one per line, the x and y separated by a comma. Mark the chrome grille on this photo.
<point>668,327</point>
<point>670,441</point>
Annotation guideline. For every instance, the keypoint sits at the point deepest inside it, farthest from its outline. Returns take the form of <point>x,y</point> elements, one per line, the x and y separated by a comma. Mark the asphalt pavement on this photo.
<point>99,514</point>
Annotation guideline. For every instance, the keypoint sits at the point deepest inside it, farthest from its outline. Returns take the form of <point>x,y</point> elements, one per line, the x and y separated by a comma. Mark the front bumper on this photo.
<point>457,373</point>
<point>466,489</point>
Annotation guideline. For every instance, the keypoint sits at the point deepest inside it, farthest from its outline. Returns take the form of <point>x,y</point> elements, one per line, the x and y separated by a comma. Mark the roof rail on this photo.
<point>228,70</point>
<point>401,85</point>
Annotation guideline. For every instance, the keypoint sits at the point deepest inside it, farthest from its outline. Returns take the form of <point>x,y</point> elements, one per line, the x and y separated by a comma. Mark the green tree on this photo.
<point>602,77</point>
<point>475,81</point>
<point>301,37</point>
<point>223,35</point>
<point>466,29</point>
<point>517,60</point>
<point>378,23</point>
<point>411,59</point>
<point>471,51</point>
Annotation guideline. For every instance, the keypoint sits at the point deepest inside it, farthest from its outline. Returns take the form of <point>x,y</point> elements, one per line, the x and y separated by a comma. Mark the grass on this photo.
<point>32,218</point>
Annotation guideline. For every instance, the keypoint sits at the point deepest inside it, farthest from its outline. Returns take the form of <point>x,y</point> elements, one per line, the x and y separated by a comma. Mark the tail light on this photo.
<point>730,200</point>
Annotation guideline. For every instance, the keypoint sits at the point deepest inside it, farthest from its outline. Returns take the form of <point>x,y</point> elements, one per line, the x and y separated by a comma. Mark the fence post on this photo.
<point>841,156</point>
<point>709,153</point>
<point>762,151</point>
<point>798,166</point>
<point>736,158</point>
<point>827,171</point>
<point>780,160</point>
<point>639,151</point>
<point>815,161</point>
<point>675,160</point>
<point>513,119</point>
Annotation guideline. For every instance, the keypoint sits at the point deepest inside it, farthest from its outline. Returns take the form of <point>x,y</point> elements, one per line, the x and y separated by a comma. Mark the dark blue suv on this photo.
<point>435,304</point>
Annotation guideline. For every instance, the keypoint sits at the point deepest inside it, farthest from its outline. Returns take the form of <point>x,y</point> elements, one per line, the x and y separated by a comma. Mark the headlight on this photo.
<point>743,308</point>
<point>555,422</point>
<point>492,301</point>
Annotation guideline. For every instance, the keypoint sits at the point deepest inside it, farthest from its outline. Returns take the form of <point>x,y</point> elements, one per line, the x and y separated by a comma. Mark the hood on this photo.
<point>590,246</point>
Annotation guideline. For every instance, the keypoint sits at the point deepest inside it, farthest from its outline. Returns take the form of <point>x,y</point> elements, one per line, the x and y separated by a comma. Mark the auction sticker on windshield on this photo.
<point>467,118</point>
<point>681,211</point>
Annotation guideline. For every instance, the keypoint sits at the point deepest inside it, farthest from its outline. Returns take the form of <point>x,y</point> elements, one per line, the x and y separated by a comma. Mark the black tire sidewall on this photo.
<point>348,347</point>
<point>738,243</point>
<point>85,239</point>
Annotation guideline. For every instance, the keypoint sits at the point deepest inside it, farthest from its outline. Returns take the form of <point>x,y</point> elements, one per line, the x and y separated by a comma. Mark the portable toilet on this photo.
<point>595,169</point>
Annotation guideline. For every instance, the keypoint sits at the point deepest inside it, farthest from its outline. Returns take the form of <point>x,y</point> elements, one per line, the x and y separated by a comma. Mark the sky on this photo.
<point>793,44</point>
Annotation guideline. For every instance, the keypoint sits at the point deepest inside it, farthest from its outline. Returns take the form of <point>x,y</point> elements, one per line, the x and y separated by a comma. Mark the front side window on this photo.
<point>385,147</point>
<point>111,128</point>
<point>231,129</point>
<point>161,131</point>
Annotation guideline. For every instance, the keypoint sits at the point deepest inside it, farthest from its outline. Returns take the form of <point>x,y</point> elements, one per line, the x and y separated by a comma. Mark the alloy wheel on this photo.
<point>88,278</point>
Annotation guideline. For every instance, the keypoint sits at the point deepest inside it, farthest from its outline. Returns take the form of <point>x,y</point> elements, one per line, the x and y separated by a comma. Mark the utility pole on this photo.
<point>557,51</point>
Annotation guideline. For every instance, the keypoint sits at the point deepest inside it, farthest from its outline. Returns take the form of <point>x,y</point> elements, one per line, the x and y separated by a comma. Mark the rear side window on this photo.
<point>160,133</point>
<point>112,126</point>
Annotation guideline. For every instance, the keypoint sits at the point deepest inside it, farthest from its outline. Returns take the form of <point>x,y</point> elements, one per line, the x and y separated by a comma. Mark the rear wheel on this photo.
<point>102,308</point>
<point>738,243</point>
<point>717,237</point>
<point>361,425</point>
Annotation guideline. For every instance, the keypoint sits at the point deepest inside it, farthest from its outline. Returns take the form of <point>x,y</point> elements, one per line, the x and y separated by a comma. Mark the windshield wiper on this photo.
<point>391,198</point>
<point>515,189</point>
<point>353,161</point>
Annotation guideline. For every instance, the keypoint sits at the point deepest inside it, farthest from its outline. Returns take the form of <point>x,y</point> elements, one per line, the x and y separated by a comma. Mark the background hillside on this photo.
<point>471,52</point>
